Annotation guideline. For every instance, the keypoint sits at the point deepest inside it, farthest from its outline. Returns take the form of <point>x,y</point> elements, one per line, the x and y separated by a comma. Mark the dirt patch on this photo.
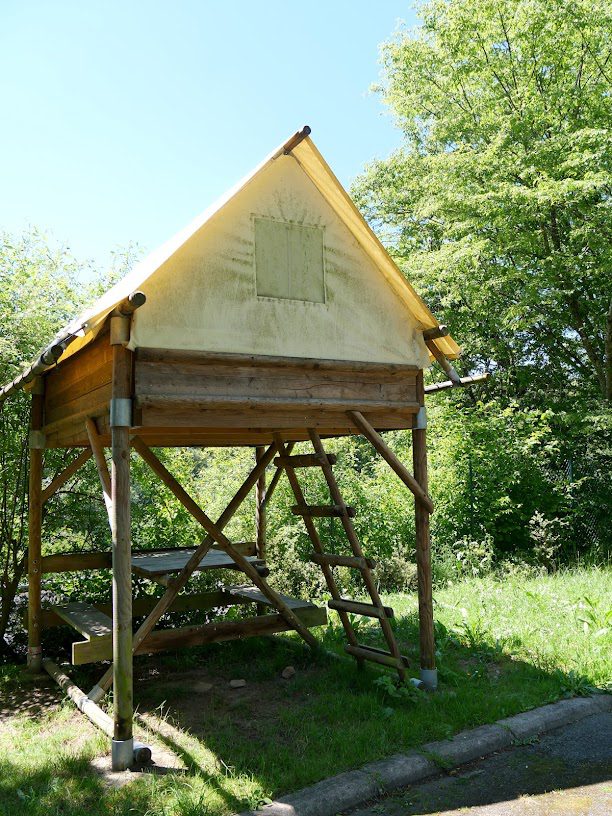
<point>248,709</point>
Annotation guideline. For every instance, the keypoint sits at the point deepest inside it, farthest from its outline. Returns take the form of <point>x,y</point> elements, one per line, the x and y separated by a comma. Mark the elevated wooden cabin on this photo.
<point>275,317</point>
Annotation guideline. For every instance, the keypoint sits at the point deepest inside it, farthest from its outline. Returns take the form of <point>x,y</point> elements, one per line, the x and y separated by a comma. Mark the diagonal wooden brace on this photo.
<point>179,581</point>
<point>394,463</point>
<point>100,460</point>
<point>66,474</point>
<point>214,530</point>
<point>444,363</point>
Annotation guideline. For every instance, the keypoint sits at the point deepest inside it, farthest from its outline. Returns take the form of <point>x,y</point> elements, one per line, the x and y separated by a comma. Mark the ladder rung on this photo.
<point>354,561</point>
<point>306,460</point>
<point>376,656</point>
<point>359,608</point>
<point>323,510</point>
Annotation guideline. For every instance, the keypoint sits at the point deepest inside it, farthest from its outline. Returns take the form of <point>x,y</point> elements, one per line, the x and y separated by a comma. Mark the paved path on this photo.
<point>567,772</point>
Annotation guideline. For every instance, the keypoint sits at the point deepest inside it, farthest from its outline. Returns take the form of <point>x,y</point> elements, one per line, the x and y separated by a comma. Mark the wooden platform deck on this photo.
<point>155,565</point>
<point>96,626</point>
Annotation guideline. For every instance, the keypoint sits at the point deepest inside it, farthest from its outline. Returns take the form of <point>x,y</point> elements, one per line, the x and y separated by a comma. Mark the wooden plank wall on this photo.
<point>187,398</point>
<point>77,389</point>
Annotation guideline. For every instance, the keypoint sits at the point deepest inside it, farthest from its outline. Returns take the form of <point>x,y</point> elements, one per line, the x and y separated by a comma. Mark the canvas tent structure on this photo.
<point>275,317</point>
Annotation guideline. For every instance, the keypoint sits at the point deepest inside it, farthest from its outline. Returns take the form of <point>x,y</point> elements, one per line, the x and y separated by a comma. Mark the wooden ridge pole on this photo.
<point>394,463</point>
<point>427,646</point>
<point>36,448</point>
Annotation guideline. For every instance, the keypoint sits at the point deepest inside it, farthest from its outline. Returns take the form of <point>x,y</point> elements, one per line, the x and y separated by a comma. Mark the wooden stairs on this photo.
<point>327,561</point>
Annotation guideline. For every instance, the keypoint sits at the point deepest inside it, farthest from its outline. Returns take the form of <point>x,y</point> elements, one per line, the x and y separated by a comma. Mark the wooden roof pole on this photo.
<point>97,450</point>
<point>442,386</point>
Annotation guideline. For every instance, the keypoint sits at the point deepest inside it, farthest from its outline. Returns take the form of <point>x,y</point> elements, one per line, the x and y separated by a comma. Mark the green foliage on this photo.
<point>495,208</point>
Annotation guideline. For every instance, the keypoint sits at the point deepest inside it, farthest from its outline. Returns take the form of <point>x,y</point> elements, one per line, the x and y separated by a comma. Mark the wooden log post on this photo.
<point>260,514</point>
<point>120,512</point>
<point>260,508</point>
<point>427,647</point>
<point>36,446</point>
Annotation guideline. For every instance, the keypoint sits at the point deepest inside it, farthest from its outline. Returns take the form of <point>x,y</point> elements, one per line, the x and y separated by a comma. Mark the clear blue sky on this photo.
<point>122,120</point>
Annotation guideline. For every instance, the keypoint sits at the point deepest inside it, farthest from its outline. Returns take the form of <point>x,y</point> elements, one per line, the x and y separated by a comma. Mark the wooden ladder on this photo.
<point>344,606</point>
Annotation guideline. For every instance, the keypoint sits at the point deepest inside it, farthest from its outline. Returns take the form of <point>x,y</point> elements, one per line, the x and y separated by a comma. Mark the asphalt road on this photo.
<point>567,771</point>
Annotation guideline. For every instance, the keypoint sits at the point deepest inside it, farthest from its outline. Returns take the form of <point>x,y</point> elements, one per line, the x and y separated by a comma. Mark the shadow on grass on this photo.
<point>274,735</point>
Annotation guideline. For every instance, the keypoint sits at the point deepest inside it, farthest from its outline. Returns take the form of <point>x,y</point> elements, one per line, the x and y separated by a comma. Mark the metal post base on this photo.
<point>122,754</point>
<point>429,678</point>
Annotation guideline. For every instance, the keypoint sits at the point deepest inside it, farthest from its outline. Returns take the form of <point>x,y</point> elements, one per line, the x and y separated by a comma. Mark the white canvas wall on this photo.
<point>204,297</point>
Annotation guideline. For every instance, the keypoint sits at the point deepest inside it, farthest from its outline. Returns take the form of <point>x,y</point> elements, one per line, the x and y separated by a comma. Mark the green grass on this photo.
<point>504,646</point>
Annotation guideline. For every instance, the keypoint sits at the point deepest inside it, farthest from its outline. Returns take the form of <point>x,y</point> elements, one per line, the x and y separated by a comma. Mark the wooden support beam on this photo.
<point>260,507</point>
<point>214,530</point>
<point>100,460</point>
<point>391,459</point>
<point>351,561</point>
<point>423,547</point>
<point>444,363</point>
<point>66,474</point>
<point>122,556</point>
<point>463,381</point>
<point>276,478</point>
<point>35,527</point>
<point>182,577</point>
<point>306,460</point>
<point>324,510</point>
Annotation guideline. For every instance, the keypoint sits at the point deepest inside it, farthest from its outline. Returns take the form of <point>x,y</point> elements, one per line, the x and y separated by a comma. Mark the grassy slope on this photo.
<point>505,646</point>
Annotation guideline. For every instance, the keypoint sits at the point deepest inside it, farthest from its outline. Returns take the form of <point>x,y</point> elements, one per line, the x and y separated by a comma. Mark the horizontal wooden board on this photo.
<point>86,619</point>
<point>80,384</point>
<point>161,640</point>
<point>262,360</point>
<point>251,593</point>
<point>257,419</point>
<point>170,380</point>
<point>143,606</point>
<point>74,562</point>
<point>160,563</point>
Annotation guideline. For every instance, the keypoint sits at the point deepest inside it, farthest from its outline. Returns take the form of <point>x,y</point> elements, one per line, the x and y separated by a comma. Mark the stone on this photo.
<point>288,672</point>
<point>202,688</point>
<point>235,684</point>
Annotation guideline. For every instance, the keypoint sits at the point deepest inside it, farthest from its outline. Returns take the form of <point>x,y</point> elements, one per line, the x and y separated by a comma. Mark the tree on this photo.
<point>39,293</point>
<point>498,206</point>
<point>498,209</point>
